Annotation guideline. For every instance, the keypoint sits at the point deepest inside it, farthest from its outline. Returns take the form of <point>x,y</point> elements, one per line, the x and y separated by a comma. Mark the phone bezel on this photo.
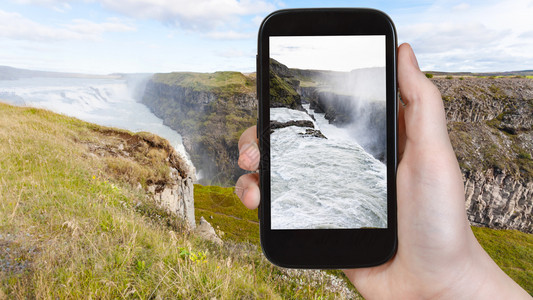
<point>327,248</point>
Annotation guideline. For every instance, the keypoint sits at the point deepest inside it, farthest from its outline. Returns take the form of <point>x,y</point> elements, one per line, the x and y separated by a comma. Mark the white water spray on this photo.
<point>323,183</point>
<point>108,102</point>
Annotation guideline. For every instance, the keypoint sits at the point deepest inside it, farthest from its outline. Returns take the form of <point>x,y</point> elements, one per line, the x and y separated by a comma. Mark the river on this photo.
<point>319,183</point>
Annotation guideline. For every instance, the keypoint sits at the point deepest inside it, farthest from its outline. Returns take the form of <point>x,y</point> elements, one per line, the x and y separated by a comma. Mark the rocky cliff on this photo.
<point>352,100</point>
<point>489,121</point>
<point>283,87</point>
<point>210,111</point>
<point>490,125</point>
<point>151,164</point>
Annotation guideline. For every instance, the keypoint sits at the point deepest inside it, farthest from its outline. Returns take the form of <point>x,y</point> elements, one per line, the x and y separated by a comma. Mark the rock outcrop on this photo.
<point>176,196</point>
<point>309,131</point>
<point>167,178</point>
<point>207,232</point>
<point>313,133</point>
<point>499,200</point>
<point>490,127</point>
<point>298,123</point>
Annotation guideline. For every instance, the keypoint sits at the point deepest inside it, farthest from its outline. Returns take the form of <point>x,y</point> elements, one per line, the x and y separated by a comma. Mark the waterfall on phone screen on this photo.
<point>321,183</point>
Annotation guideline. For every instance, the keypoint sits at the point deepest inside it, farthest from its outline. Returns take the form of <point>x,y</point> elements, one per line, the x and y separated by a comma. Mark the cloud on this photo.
<point>230,35</point>
<point>199,15</point>
<point>42,2</point>
<point>475,36</point>
<point>89,28</point>
<point>257,20</point>
<point>234,53</point>
<point>443,37</point>
<point>526,35</point>
<point>16,26</point>
<point>460,7</point>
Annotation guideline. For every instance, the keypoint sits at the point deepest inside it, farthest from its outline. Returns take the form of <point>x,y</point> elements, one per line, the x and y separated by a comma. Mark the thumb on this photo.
<point>425,121</point>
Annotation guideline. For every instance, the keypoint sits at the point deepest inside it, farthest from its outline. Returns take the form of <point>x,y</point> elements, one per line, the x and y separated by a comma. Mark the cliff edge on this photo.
<point>143,161</point>
<point>210,111</point>
<point>491,130</point>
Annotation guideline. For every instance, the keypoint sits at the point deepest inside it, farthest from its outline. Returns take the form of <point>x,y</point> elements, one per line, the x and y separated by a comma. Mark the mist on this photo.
<point>108,101</point>
<point>356,101</point>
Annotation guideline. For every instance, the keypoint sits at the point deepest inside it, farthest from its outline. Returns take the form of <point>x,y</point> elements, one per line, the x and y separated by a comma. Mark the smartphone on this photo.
<point>327,130</point>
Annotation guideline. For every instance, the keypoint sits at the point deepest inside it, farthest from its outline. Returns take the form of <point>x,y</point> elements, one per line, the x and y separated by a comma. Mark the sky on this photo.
<point>334,53</point>
<point>131,36</point>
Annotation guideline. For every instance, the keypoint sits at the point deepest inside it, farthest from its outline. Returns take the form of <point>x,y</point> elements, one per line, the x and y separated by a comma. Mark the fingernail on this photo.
<point>239,192</point>
<point>251,151</point>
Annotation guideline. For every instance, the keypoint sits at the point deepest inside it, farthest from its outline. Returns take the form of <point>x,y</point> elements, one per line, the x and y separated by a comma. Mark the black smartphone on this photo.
<point>327,129</point>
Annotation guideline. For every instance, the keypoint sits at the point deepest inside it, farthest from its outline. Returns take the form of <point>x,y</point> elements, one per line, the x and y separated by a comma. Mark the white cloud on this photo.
<point>201,15</point>
<point>216,19</point>
<point>526,35</point>
<point>42,2</point>
<point>62,7</point>
<point>233,53</point>
<point>18,27</point>
<point>257,20</point>
<point>89,28</point>
<point>447,36</point>
<point>460,7</point>
<point>475,36</point>
<point>230,35</point>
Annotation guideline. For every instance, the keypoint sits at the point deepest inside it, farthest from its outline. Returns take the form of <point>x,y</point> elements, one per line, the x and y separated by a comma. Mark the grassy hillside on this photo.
<point>511,249</point>
<point>73,226</point>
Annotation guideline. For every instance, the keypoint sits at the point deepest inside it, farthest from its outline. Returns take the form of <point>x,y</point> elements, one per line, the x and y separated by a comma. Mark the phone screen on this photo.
<point>328,137</point>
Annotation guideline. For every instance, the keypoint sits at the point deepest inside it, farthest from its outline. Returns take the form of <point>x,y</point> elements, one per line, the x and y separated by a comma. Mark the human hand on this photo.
<point>438,255</point>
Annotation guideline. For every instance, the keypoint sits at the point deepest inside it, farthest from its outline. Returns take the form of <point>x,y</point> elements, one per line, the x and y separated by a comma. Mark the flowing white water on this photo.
<point>108,102</point>
<point>323,183</point>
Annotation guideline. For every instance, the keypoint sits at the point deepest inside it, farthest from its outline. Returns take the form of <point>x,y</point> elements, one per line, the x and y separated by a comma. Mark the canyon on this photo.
<point>489,123</point>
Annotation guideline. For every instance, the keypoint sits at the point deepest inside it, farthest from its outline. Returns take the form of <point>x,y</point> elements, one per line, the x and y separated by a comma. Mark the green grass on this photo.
<point>512,250</point>
<point>78,229</point>
<point>223,209</point>
<point>75,228</point>
<point>282,93</point>
<point>210,82</point>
